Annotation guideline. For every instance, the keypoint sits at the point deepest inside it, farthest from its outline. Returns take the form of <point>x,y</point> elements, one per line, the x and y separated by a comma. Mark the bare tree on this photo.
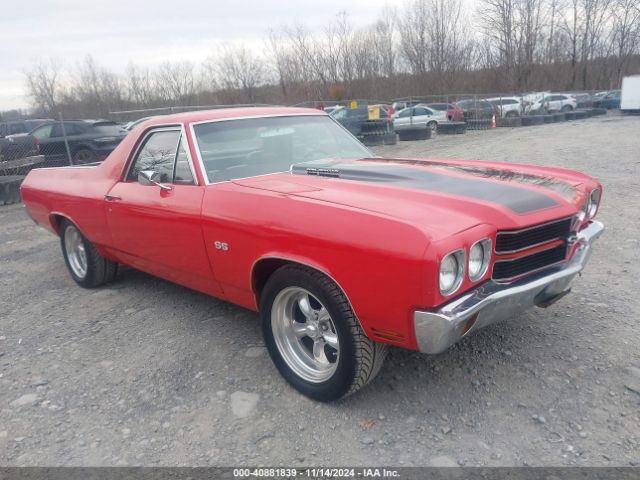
<point>175,82</point>
<point>239,68</point>
<point>413,22</point>
<point>44,86</point>
<point>140,85</point>
<point>498,20</point>
<point>625,33</point>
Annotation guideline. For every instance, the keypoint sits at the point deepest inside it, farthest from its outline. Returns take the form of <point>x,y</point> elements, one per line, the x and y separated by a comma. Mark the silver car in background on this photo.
<point>418,116</point>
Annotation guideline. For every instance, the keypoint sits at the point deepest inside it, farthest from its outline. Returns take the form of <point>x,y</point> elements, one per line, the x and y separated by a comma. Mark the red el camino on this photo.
<point>282,211</point>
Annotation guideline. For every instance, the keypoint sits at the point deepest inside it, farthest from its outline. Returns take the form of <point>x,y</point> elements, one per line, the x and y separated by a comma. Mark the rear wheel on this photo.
<point>84,155</point>
<point>87,267</point>
<point>313,336</point>
<point>567,108</point>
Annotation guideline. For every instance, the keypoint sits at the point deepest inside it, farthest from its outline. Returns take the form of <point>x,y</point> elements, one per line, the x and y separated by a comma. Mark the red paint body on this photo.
<point>382,244</point>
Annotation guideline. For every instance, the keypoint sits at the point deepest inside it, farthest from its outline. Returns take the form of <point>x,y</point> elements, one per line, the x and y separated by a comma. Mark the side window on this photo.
<point>405,113</point>
<point>158,153</point>
<point>182,174</point>
<point>43,132</point>
<point>16,128</point>
<point>69,129</point>
<point>419,111</point>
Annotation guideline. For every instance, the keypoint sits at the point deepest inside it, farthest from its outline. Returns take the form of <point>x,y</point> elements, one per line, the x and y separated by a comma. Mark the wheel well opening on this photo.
<point>262,271</point>
<point>56,220</point>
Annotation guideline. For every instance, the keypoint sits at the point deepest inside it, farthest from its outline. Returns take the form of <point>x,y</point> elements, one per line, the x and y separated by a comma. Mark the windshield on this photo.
<point>258,146</point>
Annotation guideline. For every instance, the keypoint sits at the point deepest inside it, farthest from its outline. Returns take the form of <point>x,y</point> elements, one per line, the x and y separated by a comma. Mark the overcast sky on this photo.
<point>146,32</point>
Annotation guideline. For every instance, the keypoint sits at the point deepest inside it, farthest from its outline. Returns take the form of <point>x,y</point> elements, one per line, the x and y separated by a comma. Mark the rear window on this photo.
<point>109,129</point>
<point>17,128</point>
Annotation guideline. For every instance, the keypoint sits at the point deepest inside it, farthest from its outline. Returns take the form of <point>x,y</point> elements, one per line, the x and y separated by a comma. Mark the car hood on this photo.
<point>441,197</point>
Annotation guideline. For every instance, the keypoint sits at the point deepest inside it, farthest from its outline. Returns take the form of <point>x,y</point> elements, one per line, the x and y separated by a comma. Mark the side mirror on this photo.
<point>149,177</point>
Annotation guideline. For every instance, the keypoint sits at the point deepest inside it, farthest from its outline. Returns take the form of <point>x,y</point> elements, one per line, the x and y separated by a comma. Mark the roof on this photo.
<point>229,114</point>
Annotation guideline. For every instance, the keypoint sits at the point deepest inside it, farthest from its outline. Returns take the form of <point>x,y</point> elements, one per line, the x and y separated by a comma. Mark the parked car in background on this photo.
<point>583,99</point>
<point>454,113</point>
<point>343,253</point>
<point>14,127</point>
<point>476,109</point>
<point>18,146</point>
<point>386,111</point>
<point>554,102</point>
<point>405,104</point>
<point>134,123</point>
<point>506,107</point>
<point>352,118</point>
<point>609,100</point>
<point>418,116</point>
<point>89,140</point>
<point>331,108</point>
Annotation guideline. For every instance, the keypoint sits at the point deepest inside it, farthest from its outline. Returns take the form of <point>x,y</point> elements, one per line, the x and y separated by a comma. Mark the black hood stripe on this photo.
<point>517,199</point>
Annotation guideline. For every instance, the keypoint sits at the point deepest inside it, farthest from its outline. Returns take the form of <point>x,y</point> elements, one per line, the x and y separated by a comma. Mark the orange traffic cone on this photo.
<point>493,122</point>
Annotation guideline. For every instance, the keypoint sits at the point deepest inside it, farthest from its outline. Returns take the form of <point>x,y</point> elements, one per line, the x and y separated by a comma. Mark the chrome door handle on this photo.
<point>112,198</point>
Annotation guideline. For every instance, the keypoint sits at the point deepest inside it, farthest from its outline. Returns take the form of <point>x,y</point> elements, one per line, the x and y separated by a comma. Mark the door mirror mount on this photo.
<point>149,177</point>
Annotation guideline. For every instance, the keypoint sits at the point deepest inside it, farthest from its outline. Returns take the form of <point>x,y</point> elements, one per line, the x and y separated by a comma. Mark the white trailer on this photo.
<point>630,98</point>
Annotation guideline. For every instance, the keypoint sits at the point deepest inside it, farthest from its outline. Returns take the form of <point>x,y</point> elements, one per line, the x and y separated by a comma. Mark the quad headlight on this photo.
<point>479,259</point>
<point>452,269</point>
<point>592,203</point>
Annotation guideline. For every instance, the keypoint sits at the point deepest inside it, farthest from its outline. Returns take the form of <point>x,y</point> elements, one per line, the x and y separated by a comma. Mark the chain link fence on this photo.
<point>48,142</point>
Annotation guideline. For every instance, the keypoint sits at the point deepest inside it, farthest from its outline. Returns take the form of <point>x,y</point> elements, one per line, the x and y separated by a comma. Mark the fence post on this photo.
<point>64,135</point>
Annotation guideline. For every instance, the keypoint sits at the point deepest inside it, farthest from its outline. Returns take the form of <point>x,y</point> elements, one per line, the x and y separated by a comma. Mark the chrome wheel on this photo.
<point>76,254</point>
<point>305,334</point>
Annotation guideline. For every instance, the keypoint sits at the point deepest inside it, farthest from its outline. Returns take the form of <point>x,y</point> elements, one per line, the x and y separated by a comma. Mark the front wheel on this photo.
<point>433,126</point>
<point>87,267</point>
<point>567,108</point>
<point>313,336</point>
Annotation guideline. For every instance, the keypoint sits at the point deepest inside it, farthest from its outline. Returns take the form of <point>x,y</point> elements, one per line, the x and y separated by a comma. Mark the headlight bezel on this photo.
<point>486,244</point>
<point>593,203</point>
<point>460,255</point>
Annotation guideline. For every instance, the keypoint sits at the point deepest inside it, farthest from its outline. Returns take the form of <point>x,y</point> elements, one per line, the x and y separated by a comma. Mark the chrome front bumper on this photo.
<point>493,302</point>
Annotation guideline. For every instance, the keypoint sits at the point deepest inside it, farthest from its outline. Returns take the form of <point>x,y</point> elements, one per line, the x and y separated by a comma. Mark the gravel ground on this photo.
<point>145,372</point>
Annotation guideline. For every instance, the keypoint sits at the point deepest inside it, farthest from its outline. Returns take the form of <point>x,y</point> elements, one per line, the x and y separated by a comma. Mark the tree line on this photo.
<point>421,47</point>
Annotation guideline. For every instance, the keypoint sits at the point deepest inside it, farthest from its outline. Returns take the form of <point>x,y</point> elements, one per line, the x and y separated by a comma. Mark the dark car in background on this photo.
<point>609,100</point>
<point>454,113</point>
<point>476,109</point>
<point>14,127</point>
<point>351,118</point>
<point>89,140</point>
<point>14,144</point>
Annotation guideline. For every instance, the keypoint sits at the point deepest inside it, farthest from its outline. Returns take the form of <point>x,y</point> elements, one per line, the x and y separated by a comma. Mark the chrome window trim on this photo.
<point>194,138</point>
<point>169,127</point>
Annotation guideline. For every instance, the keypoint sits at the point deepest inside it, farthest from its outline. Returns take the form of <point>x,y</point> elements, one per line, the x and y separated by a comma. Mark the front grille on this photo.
<point>508,269</point>
<point>516,240</point>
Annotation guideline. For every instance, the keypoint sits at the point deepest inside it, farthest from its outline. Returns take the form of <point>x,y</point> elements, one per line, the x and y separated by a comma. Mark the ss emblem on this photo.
<point>221,246</point>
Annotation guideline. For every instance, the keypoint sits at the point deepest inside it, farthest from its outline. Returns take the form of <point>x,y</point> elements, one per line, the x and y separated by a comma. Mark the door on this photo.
<point>421,116</point>
<point>158,228</point>
<point>403,119</point>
